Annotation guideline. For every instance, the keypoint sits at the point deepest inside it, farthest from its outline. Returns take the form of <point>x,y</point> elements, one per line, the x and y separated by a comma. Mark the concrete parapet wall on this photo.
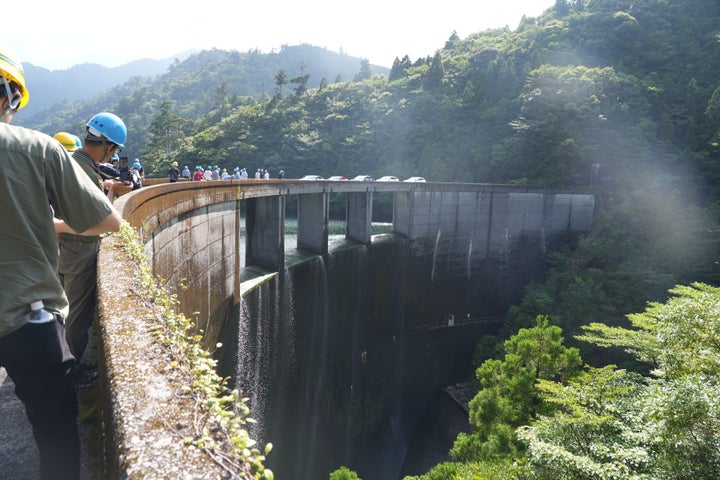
<point>142,417</point>
<point>191,237</point>
<point>498,212</point>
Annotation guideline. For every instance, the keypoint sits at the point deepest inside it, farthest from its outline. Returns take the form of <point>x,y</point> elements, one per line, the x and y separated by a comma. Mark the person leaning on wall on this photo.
<point>104,137</point>
<point>40,179</point>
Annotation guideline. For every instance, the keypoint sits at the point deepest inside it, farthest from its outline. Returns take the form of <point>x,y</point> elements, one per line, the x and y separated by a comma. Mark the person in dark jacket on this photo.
<point>174,172</point>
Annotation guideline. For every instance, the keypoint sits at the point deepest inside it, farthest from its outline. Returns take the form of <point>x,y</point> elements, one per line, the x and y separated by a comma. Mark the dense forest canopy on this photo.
<point>618,96</point>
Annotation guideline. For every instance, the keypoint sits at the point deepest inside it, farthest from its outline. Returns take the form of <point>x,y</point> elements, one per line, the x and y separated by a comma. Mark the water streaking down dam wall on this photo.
<point>456,249</point>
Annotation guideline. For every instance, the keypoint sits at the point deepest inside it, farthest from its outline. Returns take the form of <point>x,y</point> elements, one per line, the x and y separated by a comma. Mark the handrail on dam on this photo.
<point>192,231</point>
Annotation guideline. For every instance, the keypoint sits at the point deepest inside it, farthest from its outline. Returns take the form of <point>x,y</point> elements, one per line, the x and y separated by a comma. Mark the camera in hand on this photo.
<point>125,175</point>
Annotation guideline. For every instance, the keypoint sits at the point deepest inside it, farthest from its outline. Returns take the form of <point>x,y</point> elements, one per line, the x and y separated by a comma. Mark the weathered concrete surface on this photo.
<point>144,416</point>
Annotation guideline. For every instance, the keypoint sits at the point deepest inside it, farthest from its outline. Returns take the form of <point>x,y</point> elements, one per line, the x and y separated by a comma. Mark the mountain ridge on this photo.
<point>65,99</point>
<point>82,81</point>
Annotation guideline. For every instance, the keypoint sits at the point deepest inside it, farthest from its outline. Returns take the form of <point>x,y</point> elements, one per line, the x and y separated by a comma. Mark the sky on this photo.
<point>58,35</point>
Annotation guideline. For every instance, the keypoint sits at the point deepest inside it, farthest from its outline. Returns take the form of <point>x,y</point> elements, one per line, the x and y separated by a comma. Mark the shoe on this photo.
<point>85,365</point>
<point>85,376</point>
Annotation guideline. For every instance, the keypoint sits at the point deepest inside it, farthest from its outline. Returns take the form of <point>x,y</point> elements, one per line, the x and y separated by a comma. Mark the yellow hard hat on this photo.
<point>174,164</point>
<point>12,69</point>
<point>67,140</point>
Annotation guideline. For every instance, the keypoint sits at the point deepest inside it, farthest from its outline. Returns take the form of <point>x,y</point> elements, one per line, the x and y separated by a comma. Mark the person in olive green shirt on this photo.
<point>40,181</point>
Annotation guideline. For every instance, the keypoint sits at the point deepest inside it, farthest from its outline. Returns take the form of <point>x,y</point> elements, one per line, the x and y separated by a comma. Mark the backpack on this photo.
<point>136,179</point>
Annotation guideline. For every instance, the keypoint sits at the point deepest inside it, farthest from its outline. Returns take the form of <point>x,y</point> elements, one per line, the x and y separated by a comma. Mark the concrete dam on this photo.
<point>342,341</point>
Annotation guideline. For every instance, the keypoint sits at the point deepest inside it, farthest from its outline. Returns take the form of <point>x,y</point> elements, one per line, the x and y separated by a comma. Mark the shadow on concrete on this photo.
<point>18,453</point>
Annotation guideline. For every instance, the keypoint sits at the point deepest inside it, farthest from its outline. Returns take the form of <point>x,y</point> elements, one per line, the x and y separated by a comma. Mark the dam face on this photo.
<point>342,354</point>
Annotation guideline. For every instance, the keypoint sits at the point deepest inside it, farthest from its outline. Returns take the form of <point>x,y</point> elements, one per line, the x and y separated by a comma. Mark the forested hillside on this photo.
<point>605,90</point>
<point>194,87</point>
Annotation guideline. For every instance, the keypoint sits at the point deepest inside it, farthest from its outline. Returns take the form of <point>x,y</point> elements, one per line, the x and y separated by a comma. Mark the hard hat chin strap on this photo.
<point>107,153</point>
<point>5,113</point>
<point>13,100</point>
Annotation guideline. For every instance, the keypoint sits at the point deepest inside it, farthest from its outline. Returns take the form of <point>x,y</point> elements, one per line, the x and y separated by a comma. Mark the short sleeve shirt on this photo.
<point>38,180</point>
<point>94,173</point>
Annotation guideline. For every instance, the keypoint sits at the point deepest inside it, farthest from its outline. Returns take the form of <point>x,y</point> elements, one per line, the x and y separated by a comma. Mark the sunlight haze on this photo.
<point>59,35</point>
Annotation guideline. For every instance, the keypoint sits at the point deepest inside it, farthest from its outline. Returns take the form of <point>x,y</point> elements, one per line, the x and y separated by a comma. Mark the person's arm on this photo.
<point>115,188</point>
<point>62,227</point>
<point>111,223</point>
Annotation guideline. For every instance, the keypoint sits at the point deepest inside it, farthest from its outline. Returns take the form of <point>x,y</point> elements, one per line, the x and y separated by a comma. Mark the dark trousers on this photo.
<point>77,270</point>
<point>38,361</point>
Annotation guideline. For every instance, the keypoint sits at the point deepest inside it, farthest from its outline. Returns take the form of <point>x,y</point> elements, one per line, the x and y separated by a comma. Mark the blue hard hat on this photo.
<point>137,165</point>
<point>110,126</point>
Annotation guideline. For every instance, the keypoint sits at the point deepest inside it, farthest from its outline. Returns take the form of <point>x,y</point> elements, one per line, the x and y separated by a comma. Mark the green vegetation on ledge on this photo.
<point>221,415</point>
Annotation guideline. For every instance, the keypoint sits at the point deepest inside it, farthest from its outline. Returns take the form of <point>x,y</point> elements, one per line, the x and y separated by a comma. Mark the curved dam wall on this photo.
<point>220,247</point>
<point>193,231</point>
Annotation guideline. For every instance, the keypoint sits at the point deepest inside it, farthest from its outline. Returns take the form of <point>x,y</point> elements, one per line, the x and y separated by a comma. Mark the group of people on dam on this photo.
<point>113,168</point>
<point>216,173</point>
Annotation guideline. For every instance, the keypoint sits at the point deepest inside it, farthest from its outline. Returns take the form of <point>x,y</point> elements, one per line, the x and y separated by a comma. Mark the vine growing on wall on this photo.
<point>221,415</point>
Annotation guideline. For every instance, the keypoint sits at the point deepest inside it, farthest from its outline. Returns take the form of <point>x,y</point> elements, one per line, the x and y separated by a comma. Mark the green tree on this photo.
<point>364,72</point>
<point>509,397</point>
<point>596,430</point>
<point>562,7</point>
<point>506,469</point>
<point>452,40</point>
<point>399,68</point>
<point>436,72</point>
<point>167,133</point>
<point>281,79</point>
<point>396,71</point>
<point>301,82</point>
<point>611,424</point>
<point>344,473</point>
